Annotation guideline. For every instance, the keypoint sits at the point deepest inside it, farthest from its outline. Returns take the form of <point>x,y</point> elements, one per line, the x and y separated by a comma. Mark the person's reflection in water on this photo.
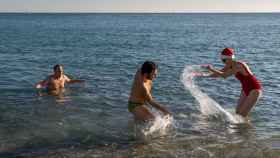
<point>59,95</point>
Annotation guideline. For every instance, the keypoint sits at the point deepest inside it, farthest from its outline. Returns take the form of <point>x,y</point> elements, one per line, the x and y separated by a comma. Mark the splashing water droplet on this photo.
<point>208,106</point>
<point>158,127</point>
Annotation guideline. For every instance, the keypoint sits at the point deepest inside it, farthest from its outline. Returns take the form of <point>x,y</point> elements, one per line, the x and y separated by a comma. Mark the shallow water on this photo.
<point>92,120</point>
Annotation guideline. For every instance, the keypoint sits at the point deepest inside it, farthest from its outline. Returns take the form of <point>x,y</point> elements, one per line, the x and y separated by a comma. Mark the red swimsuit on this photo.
<point>249,82</point>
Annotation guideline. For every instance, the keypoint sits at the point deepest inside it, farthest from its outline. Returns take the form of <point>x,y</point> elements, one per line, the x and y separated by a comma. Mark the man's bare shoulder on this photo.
<point>138,73</point>
<point>49,77</point>
<point>65,76</point>
<point>139,82</point>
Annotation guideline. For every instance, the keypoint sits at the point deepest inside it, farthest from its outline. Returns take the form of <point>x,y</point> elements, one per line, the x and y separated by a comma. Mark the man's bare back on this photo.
<point>139,89</point>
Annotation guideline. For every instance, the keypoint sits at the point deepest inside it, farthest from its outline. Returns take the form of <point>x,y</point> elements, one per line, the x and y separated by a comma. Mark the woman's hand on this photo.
<point>208,66</point>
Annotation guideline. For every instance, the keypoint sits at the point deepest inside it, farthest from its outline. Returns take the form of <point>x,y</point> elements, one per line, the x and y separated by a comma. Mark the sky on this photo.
<point>139,5</point>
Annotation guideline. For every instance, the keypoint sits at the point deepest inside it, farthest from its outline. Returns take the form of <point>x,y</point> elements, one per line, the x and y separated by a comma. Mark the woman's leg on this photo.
<point>241,100</point>
<point>249,102</point>
<point>142,113</point>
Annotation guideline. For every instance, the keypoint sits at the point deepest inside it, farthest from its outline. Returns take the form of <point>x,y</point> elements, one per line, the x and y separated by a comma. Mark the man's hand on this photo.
<point>165,112</point>
<point>41,84</point>
<point>159,107</point>
<point>38,86</point>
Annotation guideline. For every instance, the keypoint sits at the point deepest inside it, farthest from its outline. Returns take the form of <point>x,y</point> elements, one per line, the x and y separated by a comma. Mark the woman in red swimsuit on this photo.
<point>251,87</point>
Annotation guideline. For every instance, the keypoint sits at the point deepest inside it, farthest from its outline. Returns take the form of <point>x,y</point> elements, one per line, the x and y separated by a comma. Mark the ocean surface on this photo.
<point>92,120</point>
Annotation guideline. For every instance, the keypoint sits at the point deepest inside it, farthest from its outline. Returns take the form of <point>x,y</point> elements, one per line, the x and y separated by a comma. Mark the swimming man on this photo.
<point>56,81</point>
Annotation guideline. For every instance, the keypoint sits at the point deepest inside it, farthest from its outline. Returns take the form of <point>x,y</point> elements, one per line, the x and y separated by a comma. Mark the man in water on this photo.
<point>55,82</point>
<point>141,93</point>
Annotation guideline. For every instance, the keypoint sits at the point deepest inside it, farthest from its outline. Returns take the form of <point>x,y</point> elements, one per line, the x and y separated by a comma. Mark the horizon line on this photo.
<point>135,12</point>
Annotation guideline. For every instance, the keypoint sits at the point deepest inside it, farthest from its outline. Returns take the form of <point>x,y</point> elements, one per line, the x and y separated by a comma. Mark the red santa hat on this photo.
<point>227,53</point>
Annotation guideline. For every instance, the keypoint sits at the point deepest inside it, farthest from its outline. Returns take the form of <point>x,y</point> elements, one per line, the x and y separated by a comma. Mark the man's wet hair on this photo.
<point>56,67</point>
<point>148,67</point>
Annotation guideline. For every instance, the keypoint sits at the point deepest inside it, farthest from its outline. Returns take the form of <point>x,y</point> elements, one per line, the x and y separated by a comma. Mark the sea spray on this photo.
<point>158,127</point>
<point>207,105</point>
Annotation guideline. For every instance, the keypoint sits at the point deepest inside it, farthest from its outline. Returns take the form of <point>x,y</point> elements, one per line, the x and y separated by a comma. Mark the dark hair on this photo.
<point>56,66</point>
<point>148,67</point>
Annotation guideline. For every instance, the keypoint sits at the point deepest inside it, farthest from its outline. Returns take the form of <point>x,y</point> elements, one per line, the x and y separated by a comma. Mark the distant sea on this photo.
<point>92,120</point>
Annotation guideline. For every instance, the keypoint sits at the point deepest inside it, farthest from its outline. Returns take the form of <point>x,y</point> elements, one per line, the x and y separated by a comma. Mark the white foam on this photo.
<point>156,128</point>
<point>208,106</point>
<point>160,125</point>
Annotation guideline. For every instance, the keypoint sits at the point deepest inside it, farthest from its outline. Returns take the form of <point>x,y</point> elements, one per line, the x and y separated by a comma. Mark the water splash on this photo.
<point>160,126</point>
<point>208,106</point>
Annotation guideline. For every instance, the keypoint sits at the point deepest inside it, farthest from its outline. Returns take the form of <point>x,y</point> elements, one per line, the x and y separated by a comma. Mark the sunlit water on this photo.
<point>92,120</point>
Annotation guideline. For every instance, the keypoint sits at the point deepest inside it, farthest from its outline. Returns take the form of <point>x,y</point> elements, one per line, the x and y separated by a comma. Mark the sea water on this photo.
<point>92,120</point>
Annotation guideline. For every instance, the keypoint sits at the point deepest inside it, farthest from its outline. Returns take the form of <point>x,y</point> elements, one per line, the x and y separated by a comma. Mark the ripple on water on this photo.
<point>106,50</point>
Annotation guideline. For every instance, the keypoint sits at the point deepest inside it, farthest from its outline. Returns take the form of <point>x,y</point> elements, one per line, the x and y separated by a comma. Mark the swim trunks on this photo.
<point>133,105</point>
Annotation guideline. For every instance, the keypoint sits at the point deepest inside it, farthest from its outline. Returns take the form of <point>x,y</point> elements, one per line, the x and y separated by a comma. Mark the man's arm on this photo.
<point>41,84</point>
<point>156,105</point>
<point>68,80</point>
<point>159,107</point>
